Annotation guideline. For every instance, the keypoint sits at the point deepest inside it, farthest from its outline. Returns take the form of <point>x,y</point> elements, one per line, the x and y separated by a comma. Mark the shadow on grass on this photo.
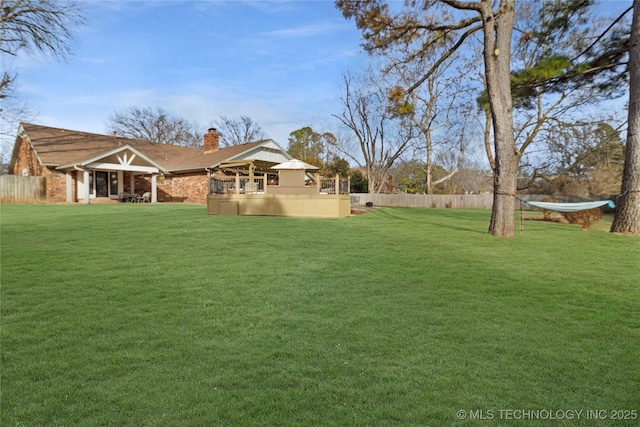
<point>463,220</point>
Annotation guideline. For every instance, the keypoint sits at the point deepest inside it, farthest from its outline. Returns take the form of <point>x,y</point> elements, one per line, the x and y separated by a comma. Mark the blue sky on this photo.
<point>279,62</point>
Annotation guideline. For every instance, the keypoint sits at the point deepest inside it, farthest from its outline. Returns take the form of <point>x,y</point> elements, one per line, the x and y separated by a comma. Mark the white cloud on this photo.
<point>224,58</point>
<point>313,29</point>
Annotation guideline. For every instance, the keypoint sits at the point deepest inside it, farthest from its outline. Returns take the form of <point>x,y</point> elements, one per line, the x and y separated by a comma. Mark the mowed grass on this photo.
<point>161,315</point>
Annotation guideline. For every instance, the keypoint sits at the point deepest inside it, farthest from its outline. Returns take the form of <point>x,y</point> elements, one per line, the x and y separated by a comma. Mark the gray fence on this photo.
<point>22,189</point>
<point>457,201</point>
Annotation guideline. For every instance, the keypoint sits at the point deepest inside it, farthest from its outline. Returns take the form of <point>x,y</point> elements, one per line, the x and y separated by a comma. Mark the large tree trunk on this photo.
<point>627,219</point>
<point>497,57</point>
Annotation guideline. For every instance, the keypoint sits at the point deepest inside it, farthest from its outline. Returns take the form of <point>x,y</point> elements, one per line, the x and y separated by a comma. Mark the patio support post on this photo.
<point>316,176</point>
<point>251,187</point>
<point>337,184</point>
<point>237,182</point>
<point>87,190</point>
<point>132,183</point>
<point>154,188</point>
<point>264,178</point>
<point>69,187</point>
<point>121,176</point>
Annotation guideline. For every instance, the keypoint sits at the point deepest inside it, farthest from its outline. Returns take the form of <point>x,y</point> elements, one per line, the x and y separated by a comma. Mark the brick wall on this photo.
<point>190,188</point>
<point>141,184</point>
<point>26,160</point>
<point>55,181</point>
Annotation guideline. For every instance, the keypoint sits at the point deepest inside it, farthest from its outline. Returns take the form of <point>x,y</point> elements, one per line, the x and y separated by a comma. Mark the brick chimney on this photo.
<point>211,141</point>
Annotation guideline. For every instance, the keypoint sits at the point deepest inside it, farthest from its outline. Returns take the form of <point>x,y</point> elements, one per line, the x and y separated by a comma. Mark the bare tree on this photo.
<point>431,109</point>
<point>238,130</point>
<point>380,139</point>
<point>426,25</point>
<point>156,125</point>
<point>469,17</point>
<point>539,112</point>
<point>13,110</point>
<point>42,26</point>
<point>627,218</point>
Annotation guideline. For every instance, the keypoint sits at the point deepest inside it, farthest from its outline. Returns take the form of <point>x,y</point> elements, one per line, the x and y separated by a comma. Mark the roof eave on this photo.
<point>81,164</point>
<point>199,168</point>
<point>262,143</point>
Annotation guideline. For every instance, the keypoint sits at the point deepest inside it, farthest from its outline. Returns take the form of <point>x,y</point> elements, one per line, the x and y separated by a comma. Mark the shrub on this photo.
<point>584,218</point>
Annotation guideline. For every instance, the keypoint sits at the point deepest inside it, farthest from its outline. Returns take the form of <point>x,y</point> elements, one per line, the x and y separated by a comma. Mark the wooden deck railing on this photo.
<point>334,185</point>
<point>232,185</point>
<point>258,185</point>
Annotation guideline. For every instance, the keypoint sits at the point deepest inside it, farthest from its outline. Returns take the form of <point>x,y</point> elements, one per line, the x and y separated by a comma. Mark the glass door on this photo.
<point>102,184</point>
<point>114,183</point>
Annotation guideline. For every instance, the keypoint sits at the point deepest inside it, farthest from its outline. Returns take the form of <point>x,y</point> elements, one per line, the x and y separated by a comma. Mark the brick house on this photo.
<point>84,167</point>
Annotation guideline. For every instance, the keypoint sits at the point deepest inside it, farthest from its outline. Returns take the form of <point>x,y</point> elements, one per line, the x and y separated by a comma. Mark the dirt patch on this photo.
<point>357,210</point>
<point>584,218</point>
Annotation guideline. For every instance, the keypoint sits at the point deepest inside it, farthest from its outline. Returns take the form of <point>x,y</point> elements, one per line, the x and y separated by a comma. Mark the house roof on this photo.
<point>58,147</point>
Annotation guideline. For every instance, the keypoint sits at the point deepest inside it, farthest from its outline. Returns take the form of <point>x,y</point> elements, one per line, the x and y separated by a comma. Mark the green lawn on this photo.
<point>161,315</point>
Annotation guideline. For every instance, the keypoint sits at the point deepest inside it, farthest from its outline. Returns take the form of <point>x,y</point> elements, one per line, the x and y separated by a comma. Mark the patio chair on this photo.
<point>145,198</point>
<point>124,197</point>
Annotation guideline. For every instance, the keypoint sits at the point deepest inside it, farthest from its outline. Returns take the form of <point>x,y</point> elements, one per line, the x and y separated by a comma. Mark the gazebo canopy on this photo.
<point>295,164</point>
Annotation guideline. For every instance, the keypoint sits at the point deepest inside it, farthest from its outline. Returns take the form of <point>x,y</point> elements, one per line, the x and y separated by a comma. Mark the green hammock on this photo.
<point>570,207</point>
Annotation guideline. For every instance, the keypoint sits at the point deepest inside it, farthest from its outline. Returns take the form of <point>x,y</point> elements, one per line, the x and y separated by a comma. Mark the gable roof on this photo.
<point>57,147</point>
<point>125,155</point>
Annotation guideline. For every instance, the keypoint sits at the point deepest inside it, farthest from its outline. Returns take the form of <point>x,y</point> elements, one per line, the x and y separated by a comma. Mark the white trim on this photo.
<point>25,137</point>
<point>129,168</point>
<point>124,160</point>
<point>87,189</point>
<point>94,160</point>
<point>120,182</point>
<point>154,188</point>
<point>274,153</point>
<point>69,178</point>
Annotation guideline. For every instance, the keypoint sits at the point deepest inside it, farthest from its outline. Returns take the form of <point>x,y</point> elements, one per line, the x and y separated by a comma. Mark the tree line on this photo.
<point>539,63</point>
<point>451,79</point>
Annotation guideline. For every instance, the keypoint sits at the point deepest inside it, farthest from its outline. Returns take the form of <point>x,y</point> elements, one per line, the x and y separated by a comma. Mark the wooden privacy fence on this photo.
<point>22,189</point>
<point>462,201</point>
<point>457,201</point>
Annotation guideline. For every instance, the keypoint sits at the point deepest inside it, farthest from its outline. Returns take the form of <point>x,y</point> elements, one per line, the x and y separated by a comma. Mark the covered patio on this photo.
<point>292,188</point>
<point>108,175</point>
